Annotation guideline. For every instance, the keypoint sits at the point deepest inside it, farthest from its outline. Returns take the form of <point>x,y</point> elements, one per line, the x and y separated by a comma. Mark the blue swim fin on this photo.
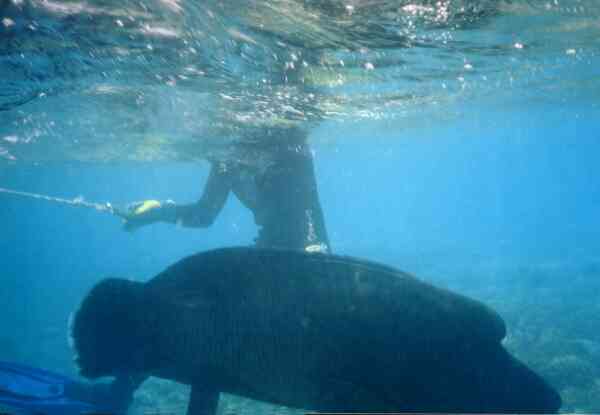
<point>27,390</point>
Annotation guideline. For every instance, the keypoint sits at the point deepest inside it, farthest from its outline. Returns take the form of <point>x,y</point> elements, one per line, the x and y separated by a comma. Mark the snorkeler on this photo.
<point>281,192</point>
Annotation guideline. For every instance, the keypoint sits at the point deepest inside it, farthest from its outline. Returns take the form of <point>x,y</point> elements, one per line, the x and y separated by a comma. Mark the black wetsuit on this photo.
<point>282,194</point>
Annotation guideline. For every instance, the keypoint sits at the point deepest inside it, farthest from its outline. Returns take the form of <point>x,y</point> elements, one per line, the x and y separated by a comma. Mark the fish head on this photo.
<point>104,330</point>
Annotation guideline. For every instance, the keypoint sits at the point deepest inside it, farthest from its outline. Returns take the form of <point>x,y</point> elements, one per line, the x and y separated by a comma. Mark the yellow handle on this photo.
<point>146,206</point>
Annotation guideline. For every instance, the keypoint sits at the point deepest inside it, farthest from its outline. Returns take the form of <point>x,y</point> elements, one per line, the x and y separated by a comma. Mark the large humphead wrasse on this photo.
<point>312,331</point>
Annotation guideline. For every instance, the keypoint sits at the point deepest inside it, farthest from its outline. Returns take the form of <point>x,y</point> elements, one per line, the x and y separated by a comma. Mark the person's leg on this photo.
<point>288,210</point>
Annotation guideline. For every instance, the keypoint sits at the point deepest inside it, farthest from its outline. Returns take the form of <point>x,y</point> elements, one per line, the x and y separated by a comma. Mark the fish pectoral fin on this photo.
<point>203,400</point>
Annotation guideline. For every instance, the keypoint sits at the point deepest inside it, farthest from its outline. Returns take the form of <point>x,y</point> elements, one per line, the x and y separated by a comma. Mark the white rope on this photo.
<point>77,201</point>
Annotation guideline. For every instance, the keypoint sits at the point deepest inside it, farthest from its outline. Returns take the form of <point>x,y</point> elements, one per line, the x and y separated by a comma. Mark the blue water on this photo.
<point>487,184</point>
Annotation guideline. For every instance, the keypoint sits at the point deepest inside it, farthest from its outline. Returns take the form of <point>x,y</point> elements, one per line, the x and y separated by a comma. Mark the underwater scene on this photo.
<point>274,206</point>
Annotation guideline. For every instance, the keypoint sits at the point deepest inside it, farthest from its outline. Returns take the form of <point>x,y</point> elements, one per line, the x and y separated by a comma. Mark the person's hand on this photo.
<point>143,213</point>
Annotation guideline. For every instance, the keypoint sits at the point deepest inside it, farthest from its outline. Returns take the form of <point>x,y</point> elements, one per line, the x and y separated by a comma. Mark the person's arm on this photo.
<point>199,215</point>
<point>203,213</point>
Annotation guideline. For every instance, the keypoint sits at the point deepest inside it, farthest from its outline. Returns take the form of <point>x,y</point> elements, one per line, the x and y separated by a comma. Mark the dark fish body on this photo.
<point>312,331</point>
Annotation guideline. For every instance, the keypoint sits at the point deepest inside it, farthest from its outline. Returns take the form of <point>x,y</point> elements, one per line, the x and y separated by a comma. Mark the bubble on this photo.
<point>8,22</point>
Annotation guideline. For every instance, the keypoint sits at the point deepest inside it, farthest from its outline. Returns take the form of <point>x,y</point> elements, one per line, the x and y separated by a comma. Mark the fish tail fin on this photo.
<point>105,329</point>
